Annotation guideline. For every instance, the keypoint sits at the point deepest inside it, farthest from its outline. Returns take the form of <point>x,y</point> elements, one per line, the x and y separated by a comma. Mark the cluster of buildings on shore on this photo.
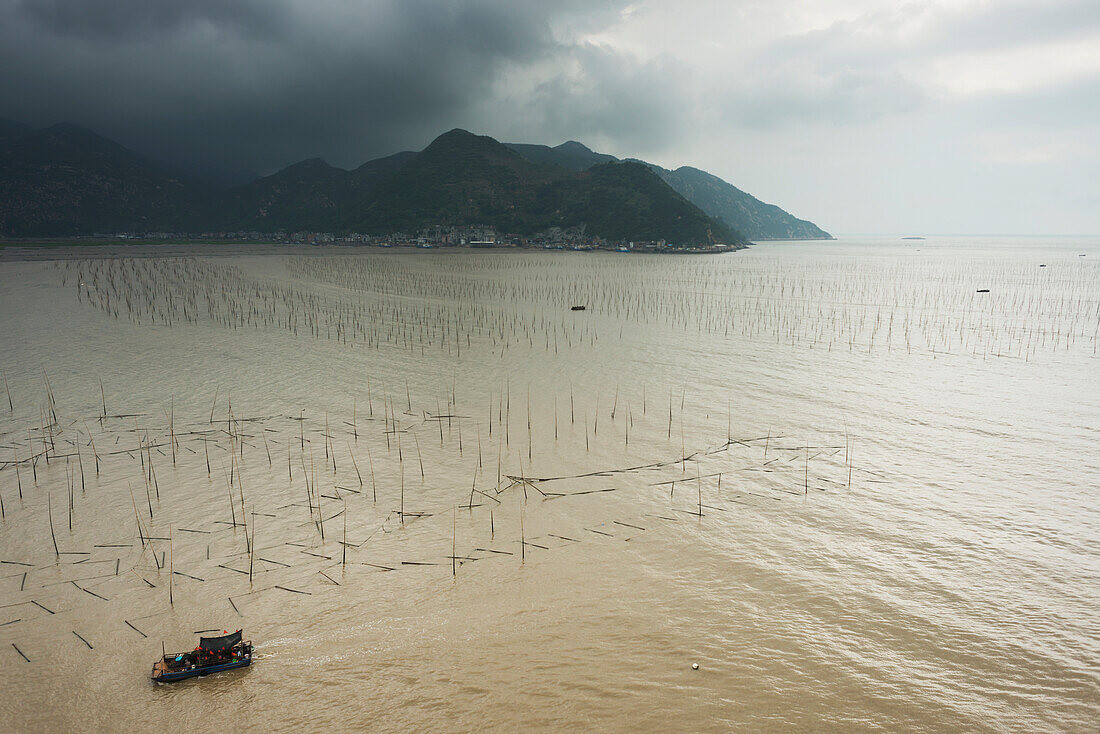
<point>555,238</point>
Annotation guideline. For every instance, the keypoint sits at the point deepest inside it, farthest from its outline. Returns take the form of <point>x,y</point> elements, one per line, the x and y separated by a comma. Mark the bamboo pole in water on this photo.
<point>172,430</point>
<point>70,482</point>
<point>252,548</point>
<point>850,471</point>
<point>374,485</point>
<point>699,488</point>
<point>355,465</point>
<point>807,475</point>
<point>18,476</point>
<point>232,503</point>
<point>94,452</point>
<point>137,517</point>
<point>419,456</point>
<point>401,471</point>
<point>53,535</point>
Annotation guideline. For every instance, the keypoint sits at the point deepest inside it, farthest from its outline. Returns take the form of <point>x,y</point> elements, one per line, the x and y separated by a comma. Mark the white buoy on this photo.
<point>695,666</point>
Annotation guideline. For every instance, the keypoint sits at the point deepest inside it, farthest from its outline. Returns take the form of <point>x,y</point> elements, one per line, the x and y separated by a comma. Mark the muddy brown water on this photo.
<point>859,494</point>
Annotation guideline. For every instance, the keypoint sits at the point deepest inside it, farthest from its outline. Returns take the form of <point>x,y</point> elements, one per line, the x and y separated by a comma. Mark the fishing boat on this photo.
<point>213,655</point>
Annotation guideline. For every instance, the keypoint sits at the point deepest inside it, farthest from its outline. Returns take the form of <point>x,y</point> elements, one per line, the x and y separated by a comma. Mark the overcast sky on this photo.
<point>932,116</point>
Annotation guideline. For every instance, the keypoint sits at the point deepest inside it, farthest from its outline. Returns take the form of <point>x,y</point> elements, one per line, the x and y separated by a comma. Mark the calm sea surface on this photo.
<point>858,491</point>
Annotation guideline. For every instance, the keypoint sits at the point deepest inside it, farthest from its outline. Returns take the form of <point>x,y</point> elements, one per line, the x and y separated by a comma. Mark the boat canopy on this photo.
<point>219,644</point>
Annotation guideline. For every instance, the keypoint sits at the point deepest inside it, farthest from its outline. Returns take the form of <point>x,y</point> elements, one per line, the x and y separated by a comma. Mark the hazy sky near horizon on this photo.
<point>931,116</point>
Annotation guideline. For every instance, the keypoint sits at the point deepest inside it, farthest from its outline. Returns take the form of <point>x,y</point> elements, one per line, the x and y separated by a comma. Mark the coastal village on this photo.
<point>477,237</point>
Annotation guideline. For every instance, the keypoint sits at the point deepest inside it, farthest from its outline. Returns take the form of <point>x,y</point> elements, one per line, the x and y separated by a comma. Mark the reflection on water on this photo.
<point>854,490</point>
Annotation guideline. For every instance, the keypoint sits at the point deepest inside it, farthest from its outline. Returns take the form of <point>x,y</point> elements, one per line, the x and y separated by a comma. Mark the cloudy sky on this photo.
<point>865,116</point>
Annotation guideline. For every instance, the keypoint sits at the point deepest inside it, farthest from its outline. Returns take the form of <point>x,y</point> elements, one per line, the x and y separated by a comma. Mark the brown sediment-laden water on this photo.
<point>853,482</point>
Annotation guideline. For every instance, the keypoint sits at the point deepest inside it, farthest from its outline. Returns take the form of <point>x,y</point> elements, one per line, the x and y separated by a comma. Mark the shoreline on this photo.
<point>70,248</point>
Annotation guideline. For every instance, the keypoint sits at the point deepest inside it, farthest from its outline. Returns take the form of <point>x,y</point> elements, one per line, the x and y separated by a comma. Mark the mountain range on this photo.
<point>65,180</point>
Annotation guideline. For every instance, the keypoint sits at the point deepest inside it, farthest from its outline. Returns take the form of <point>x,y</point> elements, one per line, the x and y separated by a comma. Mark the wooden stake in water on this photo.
<point>53,535</point>
<point>355,465</point>
<point>172,430</point>
<point>700,489</point>
<point>70,482</point>
<point>137,517</point>
<point>232,503</point>
<point>670,414</point>
<point>94,452</point>
<point>252,548</point>
<point>401,471</point>
<point>374,485</point>
<point>171,571</point>
<point>419,456</point>
<point>807,477</point>
<point>850,471</point>
<point>18,476</point>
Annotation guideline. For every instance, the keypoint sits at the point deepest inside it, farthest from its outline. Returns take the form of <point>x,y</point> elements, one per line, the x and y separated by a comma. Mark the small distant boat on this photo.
<point>577,308</point>
<point>983,290</point>
<point>213,655</point>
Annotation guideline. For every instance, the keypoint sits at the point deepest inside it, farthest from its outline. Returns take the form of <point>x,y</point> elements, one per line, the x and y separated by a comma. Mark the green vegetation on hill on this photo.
<point>626,201</point>
<point>744,215</point>
<point>460,179</point>
<point>465,179</point>
<point>571,155</point>
<point>743,212</point>
<point>67,181</point>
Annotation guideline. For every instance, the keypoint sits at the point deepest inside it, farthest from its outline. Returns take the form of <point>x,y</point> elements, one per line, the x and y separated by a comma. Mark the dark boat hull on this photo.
<point>163,674</point>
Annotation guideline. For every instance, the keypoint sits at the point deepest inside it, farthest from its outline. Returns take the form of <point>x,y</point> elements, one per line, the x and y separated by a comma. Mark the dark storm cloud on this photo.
<point>259,84</point>
<point>121,18</point>
<point>608,100</point>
